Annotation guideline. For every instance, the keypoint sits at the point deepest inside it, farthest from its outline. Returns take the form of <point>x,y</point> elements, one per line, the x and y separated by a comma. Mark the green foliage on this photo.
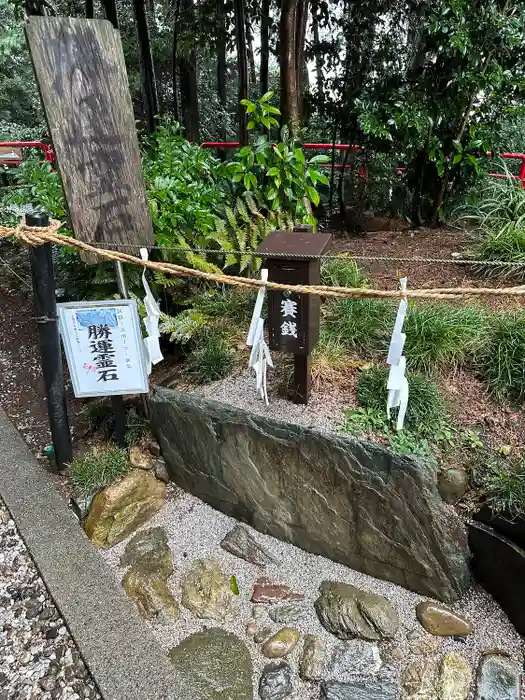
<point>342,273</point>
<point>185,326</point>
<point>504,483</point>
<point>94,471</point>
<point>212,358</point>
<point>362,325</point>
<point>442,337</point>
<point>501,360</point>
<point>38,187</point>
<point>426,412</point>
<point>226,303</point>
<point>499,216</point>
<point>279,171</point>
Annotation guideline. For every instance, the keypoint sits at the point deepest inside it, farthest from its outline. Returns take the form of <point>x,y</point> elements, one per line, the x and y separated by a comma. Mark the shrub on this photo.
<point>342,273</point>
<point>96,470</point>
<point>212,359</point>
<point>501,360</point>
<point>504,482</point>
<point>442,337</point>
<point>426,412</point>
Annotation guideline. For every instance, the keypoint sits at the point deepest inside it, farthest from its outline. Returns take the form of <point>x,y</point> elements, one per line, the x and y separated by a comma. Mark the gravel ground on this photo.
<point>195,530</point>
<point>323,412</point>
<point>38,657</point>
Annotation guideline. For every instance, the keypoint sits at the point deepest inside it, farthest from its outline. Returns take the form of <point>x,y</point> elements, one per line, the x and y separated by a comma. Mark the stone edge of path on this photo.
<point>119,649</point>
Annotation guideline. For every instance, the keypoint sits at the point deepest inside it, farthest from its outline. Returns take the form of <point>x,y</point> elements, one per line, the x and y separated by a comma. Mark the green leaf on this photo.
<point>299,154</point>
<point>271,193</point>
<point>237,177</point>
<point>253,180</point>
<point>245,150</point>
<point>457,158</point>
<point>247,182</point>
<point>267,96</point>
<point>320,159</point>
<point>313,175</point>
<point>313,195</point>
<point>272,110</point>
<point>234,586</point>
<point>322,179</point>
<point>250,125</point>
<point>251,108</point>
<point>266,121</point>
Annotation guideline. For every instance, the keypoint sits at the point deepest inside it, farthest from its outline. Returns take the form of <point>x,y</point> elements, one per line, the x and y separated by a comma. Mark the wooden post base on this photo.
<point>302,379</point>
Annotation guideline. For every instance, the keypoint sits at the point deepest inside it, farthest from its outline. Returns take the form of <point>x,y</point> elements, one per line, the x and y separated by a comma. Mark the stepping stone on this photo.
<point>419,680</point>
<point>265,591</point>
<point>276,682</point>
<point>281,644</point>
<point>455,677</point>
<point>498,678</point>
<point>241,543</point>
<point>217,664</point>
<point>313,658</point>
<point>351,659</point>
<point>348,612</point>
<point>441,621</point>
<point>206,591</point>
<point>285,614</point>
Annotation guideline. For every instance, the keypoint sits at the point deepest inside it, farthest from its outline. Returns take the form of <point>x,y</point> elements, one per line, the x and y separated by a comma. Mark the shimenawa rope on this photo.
<point>40,235</point>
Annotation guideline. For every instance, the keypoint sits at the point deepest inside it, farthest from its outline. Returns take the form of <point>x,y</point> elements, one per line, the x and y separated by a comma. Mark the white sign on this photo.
<point>104,348</point>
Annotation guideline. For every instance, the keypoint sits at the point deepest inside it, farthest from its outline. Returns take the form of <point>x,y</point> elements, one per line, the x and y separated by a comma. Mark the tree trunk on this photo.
<point>149,87</point>
<point>110,10</point>
<point>251,55</point>
<point>221,62</point>
<point>318,66</point>
<point>265,48</point>
<point>288,64</point>
<point>89,9</point>
<point>188,84</point>
<point>242,67</point>
<point>300,66</point>
<point>174,61</point>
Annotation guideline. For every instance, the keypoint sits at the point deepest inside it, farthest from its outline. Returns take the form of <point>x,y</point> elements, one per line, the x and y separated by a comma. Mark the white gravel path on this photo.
<point>38,657</point>
<point>195,530</point>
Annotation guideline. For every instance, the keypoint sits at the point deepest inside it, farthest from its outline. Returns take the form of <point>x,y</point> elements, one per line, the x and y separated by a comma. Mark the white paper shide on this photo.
<point>104,348</point>
<point>397,385</point>
<point>260,357</point>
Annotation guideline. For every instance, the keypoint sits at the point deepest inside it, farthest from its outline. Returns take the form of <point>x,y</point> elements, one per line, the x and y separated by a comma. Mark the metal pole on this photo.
<point>41,260</point>
<point>117,402</point>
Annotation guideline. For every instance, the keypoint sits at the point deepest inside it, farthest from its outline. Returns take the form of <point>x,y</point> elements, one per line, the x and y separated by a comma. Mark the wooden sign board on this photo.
<point>79,65</point>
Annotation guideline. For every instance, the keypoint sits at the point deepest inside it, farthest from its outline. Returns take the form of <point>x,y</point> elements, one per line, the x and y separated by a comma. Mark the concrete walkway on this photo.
<point>116,644</point>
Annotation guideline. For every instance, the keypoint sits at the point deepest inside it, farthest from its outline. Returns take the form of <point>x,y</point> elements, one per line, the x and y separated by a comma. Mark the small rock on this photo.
<point>455,677</point>
<point>498,678</point>
<point>394,653</point>
<point>122,507</point>
<point>33,611</point>
<point>262,634</point>
<point>47,683</point>
<point>425,645</point>
<point>281,644</point>
<point>154,447</point>
<point>259,613</point>
<point>206,591</point>
<point>313,657</point>
<point>419,680</point>
<point>52,633</point>
<point>24,659</point>
<point>276,681</point>
<point>149,549</point>
<point>265,591</point>
<point>359,690</point>
<point>251,628</point>
<point>219,662</point>
<point>441,621</point>
<point>139,458</point>
<point>348,612</point>
<point>452,484</point>
<point>150,593</point>
<point>285,614</point>
<point>161,471</point>
<point>241,543</point>
<point>353,658</point>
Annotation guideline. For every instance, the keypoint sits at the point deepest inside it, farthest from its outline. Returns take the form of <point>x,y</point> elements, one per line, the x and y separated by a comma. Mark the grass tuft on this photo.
<point>212,359</point>
<point>94,471</point>
<point>360,325</point>
<point>442,337</point>
<point>426,412</point>
<point>342,273</point>
<point>504,483</point>
<point>501,360</point>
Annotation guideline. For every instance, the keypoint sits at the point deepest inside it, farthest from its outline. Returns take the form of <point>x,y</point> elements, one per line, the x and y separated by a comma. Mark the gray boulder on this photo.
<point>351,501</point>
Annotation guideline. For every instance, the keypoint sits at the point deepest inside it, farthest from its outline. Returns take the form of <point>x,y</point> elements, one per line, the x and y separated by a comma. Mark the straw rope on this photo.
<point>40,235</point>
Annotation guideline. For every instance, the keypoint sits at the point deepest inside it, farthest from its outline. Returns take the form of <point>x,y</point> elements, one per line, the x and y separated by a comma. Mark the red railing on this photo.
<point>49,154</point>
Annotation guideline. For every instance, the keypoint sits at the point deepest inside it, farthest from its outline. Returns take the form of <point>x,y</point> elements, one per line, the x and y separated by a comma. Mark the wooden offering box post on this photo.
<point>293,319</point>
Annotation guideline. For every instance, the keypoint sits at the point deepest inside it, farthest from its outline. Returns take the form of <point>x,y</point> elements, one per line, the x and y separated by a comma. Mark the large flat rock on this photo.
<point>348,500</point>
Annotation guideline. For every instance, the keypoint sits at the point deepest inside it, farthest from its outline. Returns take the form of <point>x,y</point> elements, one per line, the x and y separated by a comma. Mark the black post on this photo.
<point>119,414</point>
<point>51,357</point>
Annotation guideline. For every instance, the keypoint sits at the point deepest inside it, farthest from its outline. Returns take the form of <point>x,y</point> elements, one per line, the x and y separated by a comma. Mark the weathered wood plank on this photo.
<point>80,69</point>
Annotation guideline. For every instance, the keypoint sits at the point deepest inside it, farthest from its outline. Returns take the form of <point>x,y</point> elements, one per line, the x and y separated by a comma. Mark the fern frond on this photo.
<point>184,326</point>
